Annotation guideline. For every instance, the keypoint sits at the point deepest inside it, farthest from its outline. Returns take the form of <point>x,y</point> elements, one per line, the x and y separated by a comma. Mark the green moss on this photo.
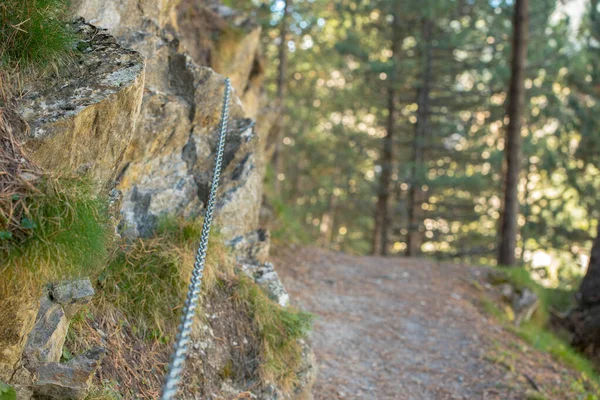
<point>279,330</point>
<point>34,32</point>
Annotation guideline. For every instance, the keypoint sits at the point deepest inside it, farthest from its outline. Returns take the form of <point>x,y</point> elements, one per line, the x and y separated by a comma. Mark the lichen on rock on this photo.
<point>84,118</point>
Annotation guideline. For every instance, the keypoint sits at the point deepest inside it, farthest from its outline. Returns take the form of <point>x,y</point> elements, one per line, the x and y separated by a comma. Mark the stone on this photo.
<point>46,339</point>
<point>507,291</point>
<point>70,380</point>
<point>72,295</point>
<point>268,279</point>
<point>23,392</point>
<point>85,119</point>
<point>524,304</point>
<point>167,168</point>
<point>228,41</point>
<point>253,246</point>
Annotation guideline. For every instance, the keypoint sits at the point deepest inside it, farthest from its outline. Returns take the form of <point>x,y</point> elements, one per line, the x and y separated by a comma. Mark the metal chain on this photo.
<point>189,311</point>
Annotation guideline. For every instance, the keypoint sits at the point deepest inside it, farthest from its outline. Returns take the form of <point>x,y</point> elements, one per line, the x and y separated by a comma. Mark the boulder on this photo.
<point>254,246</point>
<point>524,304</point>
<point>70,380</point>
<point>168,166</point>
<point>46,339</point>
<point>266,277</point>
<point>72,295</point>
<point>84,119</point>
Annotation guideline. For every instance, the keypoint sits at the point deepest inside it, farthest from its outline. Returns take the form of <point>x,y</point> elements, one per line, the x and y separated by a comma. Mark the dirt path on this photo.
<point>393,328</point>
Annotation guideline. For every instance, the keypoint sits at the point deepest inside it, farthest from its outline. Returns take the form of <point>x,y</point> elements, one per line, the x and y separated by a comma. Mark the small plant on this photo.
<point>7,392</point>
<point>33,32</point>
<point>279,330</point>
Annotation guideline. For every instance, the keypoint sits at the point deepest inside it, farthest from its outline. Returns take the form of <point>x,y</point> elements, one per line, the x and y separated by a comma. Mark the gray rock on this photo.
<point>507,291</point>
<point>266,277</point>
<point>524,304</point>
<point>70,380</point>
<point>83,120</point>
<point>253,246</point>
<point>72,295</point>
<point>168,165</point>
<point>46,339</point>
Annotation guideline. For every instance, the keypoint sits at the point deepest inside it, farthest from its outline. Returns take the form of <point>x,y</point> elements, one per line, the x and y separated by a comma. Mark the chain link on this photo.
<point>189,311</point>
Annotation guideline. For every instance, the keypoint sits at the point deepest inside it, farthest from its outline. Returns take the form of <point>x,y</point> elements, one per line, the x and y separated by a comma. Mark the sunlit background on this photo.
<point>339,63</point>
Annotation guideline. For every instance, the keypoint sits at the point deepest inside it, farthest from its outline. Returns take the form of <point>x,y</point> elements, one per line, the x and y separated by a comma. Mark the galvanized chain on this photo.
<point>189,311</point>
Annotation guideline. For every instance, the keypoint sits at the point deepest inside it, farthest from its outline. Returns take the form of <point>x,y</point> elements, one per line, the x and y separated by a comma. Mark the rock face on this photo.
<point>85,119</point>
<point>167,167</point>
<point>72,295</point>
<point>149,130</point>
<point>70,380</point>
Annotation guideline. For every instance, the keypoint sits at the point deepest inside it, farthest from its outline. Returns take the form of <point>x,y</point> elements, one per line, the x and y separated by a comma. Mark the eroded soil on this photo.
<point>398,328</point>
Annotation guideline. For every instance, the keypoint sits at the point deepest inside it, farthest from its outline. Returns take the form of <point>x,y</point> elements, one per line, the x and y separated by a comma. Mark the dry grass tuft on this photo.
<point>18,177</point>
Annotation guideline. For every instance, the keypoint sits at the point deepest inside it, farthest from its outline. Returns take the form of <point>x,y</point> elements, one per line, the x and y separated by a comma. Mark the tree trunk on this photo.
<point>584,321</point>
<point>381,228</point>
<point>415,193</point>
<point>277,157</point>
<point>589,291</point>
<point>513,144</point>
<point>328,221</point>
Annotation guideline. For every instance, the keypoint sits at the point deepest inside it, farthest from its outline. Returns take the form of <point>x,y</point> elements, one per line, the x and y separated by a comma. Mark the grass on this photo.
<point>549,299</point>
<point>33,33</point>
<point>546,341</point>
<point>535,331</point>
<point>63,233</point>
<point>148,278</point>
<point>279,330</point>
<point>7,392</point>
<point>104,392</point>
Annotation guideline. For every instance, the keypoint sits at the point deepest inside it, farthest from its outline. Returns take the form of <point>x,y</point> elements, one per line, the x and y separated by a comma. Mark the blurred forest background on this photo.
<point>394,139</point>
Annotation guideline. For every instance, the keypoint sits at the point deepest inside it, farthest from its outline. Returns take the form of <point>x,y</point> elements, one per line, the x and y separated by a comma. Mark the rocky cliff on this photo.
<point>138,113</point>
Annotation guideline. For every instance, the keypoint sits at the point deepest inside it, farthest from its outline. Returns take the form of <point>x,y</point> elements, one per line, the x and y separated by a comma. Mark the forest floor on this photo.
<point>400,328</point>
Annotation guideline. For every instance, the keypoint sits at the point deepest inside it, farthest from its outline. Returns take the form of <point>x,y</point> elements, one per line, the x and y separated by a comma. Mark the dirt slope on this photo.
<point>394,328</point>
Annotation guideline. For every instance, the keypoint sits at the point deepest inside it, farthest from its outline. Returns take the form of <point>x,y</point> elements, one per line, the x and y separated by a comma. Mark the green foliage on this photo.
<point>279,330</point>
<point>34,32</point>
<point>7,392</point>
<point>288,227</point>
<point>336,113</point>
<point>66,234</point>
